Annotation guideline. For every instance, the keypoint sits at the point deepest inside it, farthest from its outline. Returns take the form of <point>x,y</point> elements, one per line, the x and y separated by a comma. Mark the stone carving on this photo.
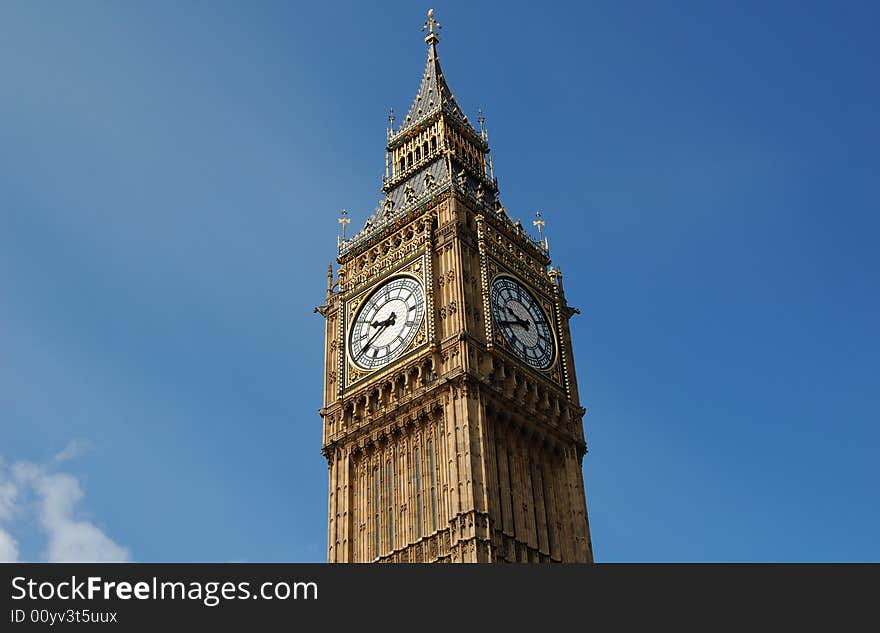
<point>430,181</point>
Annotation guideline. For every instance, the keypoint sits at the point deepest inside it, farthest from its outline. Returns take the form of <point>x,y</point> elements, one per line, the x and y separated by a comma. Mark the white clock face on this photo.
<point>387,322</point>
<point>522,323</point>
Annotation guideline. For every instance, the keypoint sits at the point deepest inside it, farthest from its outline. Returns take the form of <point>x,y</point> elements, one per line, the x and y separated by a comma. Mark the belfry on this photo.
<point>452,425</point>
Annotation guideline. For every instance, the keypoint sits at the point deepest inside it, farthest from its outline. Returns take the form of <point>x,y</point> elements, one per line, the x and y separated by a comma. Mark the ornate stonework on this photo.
<point>455,450</point>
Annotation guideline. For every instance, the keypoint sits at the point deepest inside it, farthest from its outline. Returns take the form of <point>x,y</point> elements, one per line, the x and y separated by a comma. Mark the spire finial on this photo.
<point>431,26</point>
<point>539,224</point>
<point>481,119</point>
<point>390,122</point>
<point>344,221</point>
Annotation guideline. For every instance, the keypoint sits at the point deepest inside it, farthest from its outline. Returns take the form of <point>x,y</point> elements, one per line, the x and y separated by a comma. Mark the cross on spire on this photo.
<point>431,26</point>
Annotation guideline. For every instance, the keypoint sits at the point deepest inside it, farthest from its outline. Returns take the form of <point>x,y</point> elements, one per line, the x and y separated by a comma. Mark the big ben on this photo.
<point>452,424</point>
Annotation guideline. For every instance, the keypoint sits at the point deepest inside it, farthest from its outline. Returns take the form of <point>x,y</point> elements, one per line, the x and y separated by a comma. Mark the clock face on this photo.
<point>387,322</point>
<point>522,323</point>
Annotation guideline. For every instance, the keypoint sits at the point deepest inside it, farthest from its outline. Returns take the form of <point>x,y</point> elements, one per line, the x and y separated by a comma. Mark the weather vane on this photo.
<point>344,221</point>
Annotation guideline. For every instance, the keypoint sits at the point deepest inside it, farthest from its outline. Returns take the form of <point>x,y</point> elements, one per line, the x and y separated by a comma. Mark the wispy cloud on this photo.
<point>73,450</point>
<point>57,498</point>
<point>8,499</point>
<point>8,548</point>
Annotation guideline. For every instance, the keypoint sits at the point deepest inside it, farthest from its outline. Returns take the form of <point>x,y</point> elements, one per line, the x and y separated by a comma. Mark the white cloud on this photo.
<point>71,540</point>
<point>8,548</point>
<point>8,498</point>
<point>56,498</point>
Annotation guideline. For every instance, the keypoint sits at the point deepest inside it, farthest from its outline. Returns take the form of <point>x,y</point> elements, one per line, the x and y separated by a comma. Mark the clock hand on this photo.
<point>519,322</point>
<point>513,313</point>
<point>389,321</point>
<point>372,338</point>
<point>522,322</point>
<point>381,325</point>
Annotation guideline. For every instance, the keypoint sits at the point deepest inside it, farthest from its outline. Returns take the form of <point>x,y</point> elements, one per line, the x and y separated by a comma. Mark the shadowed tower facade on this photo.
<point>452,425</point>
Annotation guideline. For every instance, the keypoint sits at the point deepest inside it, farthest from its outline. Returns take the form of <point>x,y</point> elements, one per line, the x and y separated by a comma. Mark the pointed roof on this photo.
<point>434,93</point>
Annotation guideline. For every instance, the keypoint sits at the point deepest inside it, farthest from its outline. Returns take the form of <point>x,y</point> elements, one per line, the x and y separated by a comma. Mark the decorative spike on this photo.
<point>344,221</point>
<point>539,223</point>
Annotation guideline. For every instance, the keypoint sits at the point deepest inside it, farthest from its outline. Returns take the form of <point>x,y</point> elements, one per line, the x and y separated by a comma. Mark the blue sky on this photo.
<point>170,178</point>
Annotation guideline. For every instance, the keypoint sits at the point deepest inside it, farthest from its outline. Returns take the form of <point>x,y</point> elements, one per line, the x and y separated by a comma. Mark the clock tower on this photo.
<point>452,425</point>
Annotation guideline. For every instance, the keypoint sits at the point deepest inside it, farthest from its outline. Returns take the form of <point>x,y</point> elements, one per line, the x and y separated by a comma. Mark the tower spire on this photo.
<point>434,93</point>
<point>429,147</point>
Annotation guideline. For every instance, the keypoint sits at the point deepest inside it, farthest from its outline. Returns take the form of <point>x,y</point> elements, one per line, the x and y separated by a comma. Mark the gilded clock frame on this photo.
<point>546,308</point>
<point>417,268</point>
<point>548,303</point>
